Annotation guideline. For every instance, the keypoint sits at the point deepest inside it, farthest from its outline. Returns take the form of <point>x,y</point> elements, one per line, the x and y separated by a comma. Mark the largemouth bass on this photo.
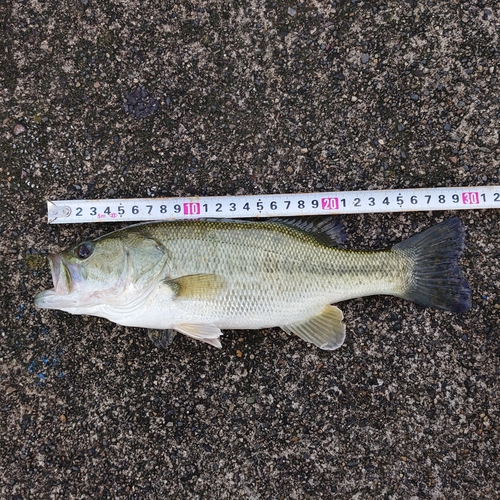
<point>200,276</point>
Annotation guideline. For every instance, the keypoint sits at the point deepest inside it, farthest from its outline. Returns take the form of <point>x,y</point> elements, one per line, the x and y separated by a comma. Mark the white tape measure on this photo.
<point>274,205</point>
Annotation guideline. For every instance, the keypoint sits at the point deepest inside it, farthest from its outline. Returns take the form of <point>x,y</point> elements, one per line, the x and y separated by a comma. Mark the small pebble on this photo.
<point>62,418</point>
<point>365,58</point>
<point>291,11</point>
<point>19,129</point>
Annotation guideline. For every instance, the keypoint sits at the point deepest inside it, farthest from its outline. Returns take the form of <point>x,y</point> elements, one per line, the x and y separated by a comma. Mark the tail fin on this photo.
<point>436,280</point>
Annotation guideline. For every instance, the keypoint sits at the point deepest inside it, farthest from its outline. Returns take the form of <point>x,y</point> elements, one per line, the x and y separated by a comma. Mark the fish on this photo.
<point>198,277</point>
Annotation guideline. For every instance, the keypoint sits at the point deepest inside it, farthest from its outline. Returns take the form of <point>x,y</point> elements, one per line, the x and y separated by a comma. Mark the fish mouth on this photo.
<point>62,286</point>
<point>64,276</point>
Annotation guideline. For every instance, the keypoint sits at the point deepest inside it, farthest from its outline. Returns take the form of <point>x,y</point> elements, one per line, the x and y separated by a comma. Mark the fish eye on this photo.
<point>84,251</point>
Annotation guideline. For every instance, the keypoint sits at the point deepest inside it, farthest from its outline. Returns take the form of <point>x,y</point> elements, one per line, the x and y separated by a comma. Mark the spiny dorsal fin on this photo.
<point>325,330</point>
<point>327,230</point>
<point>196,286</point>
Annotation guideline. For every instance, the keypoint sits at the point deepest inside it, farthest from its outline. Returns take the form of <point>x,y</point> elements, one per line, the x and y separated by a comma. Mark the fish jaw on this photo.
<point>50,299</point>
<point>64,278</point>
<point>74,293</point>
<point>60,274</point>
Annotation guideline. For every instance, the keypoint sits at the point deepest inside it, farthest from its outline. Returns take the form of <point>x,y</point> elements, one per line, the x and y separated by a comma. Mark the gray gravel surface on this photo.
<point>135,99</point>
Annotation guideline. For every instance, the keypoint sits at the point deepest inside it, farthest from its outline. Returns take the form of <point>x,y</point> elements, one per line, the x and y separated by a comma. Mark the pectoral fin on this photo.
<point>206,333</point>
<point>196,286</point>
<point>161,338</point>
<point>325,330</point>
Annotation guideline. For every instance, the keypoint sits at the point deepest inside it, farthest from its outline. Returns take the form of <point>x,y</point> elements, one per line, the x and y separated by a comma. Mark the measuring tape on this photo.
<point>274,205</point>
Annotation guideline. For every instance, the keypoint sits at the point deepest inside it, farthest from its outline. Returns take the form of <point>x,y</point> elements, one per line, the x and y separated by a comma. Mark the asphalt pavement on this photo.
<point>117,99</point>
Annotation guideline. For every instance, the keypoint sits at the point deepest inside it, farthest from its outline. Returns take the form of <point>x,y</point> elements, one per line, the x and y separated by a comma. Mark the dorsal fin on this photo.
<point>326,229</point>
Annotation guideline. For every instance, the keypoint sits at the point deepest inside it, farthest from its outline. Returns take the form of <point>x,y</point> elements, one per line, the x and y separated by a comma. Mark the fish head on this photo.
<point>85,275</point>
<point>115,269</point>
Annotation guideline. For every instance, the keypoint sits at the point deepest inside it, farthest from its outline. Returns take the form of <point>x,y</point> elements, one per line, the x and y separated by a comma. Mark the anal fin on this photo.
<point>206,333</point>
<point>325,331</point>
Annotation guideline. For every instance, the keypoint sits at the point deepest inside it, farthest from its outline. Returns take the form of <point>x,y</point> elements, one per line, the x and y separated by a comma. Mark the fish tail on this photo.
<point>435,279</point>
